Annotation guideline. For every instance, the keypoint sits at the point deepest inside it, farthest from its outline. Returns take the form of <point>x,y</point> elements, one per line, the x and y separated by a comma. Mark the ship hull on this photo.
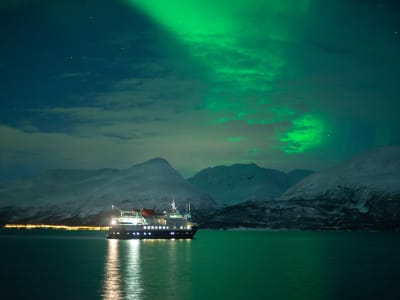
<point>122,233</point>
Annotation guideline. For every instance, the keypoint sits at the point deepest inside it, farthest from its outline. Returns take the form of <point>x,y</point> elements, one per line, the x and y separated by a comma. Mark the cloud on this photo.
<point>132,107</point>
<point>186,147</point>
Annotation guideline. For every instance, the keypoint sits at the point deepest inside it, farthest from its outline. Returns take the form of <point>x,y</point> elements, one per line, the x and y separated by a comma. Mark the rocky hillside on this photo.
<point>379,214</point>
<point>78,196</point>
<point>230,185</point>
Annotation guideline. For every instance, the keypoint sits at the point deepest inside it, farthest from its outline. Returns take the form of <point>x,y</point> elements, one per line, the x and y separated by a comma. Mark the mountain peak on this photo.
<point>240,182</point>
<point>154,163</point>
<point>71,194</point>
<point>158,160</point>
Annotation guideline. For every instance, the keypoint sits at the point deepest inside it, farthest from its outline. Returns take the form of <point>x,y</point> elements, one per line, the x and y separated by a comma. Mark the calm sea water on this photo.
<point>50,264</point>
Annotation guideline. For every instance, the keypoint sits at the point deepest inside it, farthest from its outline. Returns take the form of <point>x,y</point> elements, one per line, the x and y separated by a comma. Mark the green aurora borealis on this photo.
<point>207,28</point>
<point>284,84</point>
<point>306,132</point>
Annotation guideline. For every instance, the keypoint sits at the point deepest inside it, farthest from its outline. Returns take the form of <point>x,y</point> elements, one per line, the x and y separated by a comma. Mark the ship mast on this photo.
<point>116,207</point>
<point>173,205</point>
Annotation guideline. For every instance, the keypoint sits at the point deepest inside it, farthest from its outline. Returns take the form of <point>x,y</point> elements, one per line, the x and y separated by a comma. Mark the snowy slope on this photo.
<point>295,176</point>
<point>243,182</point>
<point>376,172</point>
<point>70,193</point>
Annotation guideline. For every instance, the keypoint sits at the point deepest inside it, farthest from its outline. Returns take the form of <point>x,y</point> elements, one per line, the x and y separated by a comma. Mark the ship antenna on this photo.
<point>113,206</point>
<point>173,204</point>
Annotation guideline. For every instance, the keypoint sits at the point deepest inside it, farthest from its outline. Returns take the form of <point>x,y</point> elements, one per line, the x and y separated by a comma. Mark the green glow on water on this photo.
<point>247,264</point>
<point>306,132</point>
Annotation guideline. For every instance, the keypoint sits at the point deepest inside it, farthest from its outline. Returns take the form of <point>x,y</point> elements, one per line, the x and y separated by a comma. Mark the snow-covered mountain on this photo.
<point>296,175</point>
<point>371,174</point>
<point>360,194</point>
<point>68,194</point>
<point>245,182</point>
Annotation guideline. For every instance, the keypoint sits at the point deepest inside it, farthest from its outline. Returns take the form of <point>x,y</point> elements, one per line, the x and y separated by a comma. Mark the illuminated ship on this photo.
<point>147,224</point>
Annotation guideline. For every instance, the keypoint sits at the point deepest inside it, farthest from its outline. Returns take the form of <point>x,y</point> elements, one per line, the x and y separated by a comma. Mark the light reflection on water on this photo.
<point>112,280</point>
<point>147,269</point>
<point>132,271</point>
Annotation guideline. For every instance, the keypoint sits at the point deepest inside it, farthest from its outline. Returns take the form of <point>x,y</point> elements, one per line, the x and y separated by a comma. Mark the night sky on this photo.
<point>284,84</point>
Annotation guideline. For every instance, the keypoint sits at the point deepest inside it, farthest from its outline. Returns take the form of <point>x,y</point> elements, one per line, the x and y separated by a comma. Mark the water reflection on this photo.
<point>122,271</point>
<point>178,261</point>
<point>112,280</point>
<point>132,281</point>
<point>148,269</point>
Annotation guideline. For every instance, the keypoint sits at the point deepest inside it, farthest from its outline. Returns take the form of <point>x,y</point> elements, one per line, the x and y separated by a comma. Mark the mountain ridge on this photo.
<point>81,194</point>
<point>237,183</point>
<point>338,198</point>
<point>362,193</point>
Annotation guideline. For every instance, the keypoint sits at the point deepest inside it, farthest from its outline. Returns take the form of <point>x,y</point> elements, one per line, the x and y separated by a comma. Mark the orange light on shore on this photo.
<point>46,226</point>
